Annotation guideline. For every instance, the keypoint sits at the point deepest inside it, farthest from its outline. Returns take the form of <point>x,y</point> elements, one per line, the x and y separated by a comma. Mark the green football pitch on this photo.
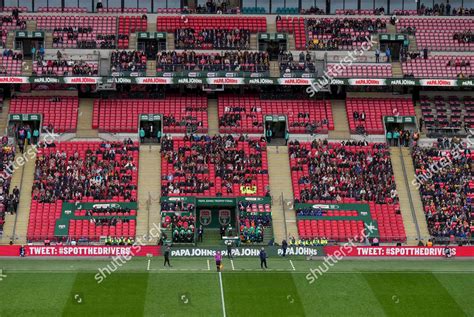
<point>142,287</point>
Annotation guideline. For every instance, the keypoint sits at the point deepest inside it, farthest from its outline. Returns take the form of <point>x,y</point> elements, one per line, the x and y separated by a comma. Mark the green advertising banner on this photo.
<point>24,117</point>
<point>250,251</point>
<point>151,35</point>
<point>28,34</point>
<point>399,119</point>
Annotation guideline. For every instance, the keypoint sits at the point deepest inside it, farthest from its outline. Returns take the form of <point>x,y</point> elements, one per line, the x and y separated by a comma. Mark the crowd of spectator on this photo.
<point>101,174</point>
<point>288,64</point>
<point>228,61</point>
<point>128,61</point>
<point>16,56</point>
<point>444,173</point>
<point>64,67</point>
<point>442,9</point>
<point>14,18</point>
<point>188,38</point>
<point>191,164</point>
<point>330,34</point>
<point>219,7</point>
<point>252,227</point>
<point>81,36</point>
<point>399,137</point>
<point>176,206</point>
<point>464,37</point>
<point>8,201</point>
<point>336,172</point>
<point>182,228</point>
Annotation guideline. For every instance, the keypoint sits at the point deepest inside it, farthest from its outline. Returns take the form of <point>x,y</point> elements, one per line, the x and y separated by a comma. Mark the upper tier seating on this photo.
<point>228,61</point>
<point>245,114</point>
<point>8,24</point>
<point>452,113</point>
<point>10,63</point>
<point>64,67</point>
<point>173,23</point>
<point>438,34</point>
<point>439,66</point>
<point>362,71</point>
<point>103,172</point>
<point>128,61</point>
<point>375,109</point>
<point>125,10</point>
<point>221,166</point>
<point>178,114</point>
<point>342,34</point>
<point>61,10</point>
<point>60,112</point>
<point>80,31</point>
<point>220,38</point>
<point>128,25</point>
<point>446,188</point>
<point>293,25</point>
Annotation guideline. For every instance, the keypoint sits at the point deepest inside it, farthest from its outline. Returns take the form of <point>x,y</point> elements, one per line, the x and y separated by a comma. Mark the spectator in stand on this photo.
<point>212,38</point>
<point>128,61</point>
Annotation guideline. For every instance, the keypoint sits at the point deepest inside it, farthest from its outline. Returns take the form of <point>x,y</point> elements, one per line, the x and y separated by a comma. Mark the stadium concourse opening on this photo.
<point>151,128</point>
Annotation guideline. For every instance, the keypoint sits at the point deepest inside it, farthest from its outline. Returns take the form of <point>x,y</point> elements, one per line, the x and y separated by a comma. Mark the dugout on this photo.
<point>24,119</point>
<point>151,43</point>
<point>272,43</point>
<point>278,125</point>
<point>151,124</point>
<point>184,207</point>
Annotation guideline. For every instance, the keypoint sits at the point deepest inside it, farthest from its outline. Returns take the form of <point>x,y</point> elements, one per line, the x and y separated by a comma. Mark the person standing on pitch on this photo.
<point>284,246</point>
<point>167,256</point>
<point>263,258</point>
<point>218,258</point>
<point>200,233</point>
<point>229,250</point>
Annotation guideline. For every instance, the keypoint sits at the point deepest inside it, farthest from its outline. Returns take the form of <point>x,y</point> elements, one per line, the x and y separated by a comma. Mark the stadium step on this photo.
<point>283,215</point>
<point>418,116</point>
<point>30,25</point>
<point>151,27</point>
<point>271,25</point>
<point>412,45</point>
<point>149,191</point>
<point>151,68</point>
<point>253,42</point>
<point>212,117</point>
<point>341,125</point>
<point>48,40</point>
<point>84,120</point>
<point>10,40</point>
<point>170,41</point>
<point>4,116</point>
<point>291,42</point>
<point>397,69</point>
<point>132,43</point>
<point>391,29</point>
<point>274,69</point>
<point>23,178</point>
<point>404,189</point>
<point>27,67</point>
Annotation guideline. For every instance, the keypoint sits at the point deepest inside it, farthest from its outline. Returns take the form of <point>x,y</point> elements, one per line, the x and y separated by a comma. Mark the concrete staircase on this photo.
<point>48,40</point>
<point>10,40</point>
<point>392,29</point>
<point>17,225</point>
<point>406,191</point>
<point>341,125</point>
<point>151,68</point>
<point>84,121</point>
<point>291,42</point>
<point>283,218</point>
<point>213,116</point>
<point>418,116</point>
<point>149,190</point>
<point>397,69</point>
<point>412,45</point>
<point>254,42</point>
<point>27,67</point>
<point>4,116</point>
<point>271,25</point>
<point>151,27</point>
<point>274,69</point>
<point>30,25</point>
<point>132,41</point>
<point>170,43</point>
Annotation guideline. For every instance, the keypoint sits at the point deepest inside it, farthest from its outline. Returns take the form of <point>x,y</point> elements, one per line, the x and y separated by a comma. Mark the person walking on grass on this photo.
<point>167,256</point>
<point>263,258</point>
<point>218,258</point>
